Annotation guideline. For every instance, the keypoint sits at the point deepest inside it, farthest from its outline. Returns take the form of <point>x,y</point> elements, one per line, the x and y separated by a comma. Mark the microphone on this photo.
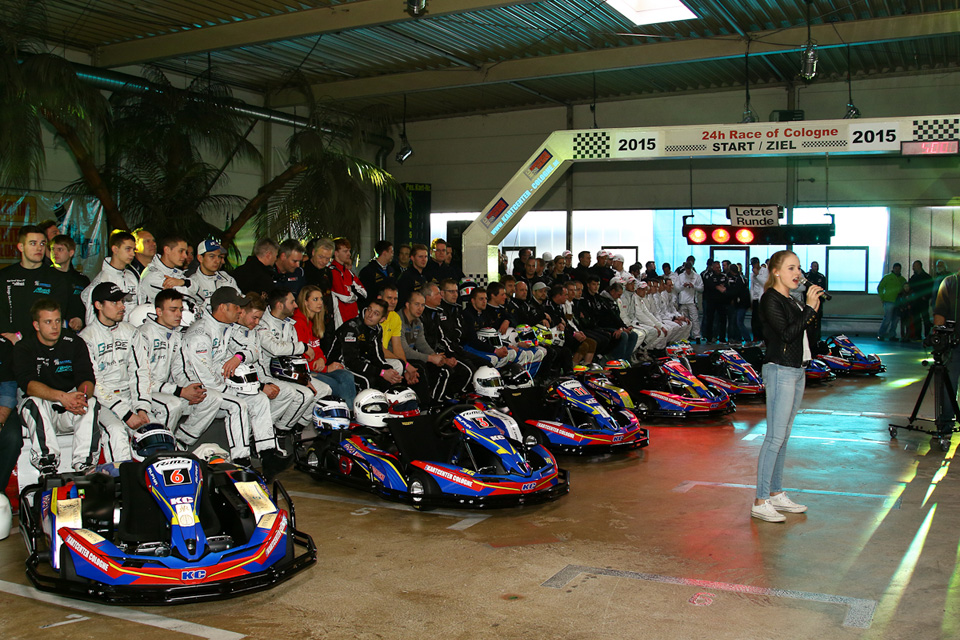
<point>823,294</point>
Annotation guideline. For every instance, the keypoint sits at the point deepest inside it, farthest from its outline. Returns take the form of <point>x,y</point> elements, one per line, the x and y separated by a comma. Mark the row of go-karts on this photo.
<point>175,527</point>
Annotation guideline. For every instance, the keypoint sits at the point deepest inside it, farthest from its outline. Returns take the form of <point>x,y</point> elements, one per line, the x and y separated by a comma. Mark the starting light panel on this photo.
<point>714,234</point>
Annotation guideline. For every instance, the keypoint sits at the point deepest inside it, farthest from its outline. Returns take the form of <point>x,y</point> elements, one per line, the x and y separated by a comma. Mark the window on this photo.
<point>861,234</point>
<point>846,268</point>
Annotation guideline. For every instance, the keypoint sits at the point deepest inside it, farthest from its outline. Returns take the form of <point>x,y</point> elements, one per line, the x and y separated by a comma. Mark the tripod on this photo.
<point>940,377</point>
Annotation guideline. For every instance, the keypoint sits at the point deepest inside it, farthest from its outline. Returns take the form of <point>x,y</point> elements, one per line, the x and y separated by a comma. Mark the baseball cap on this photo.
<point>107,291</point>
<point>540,285</point>
<point>547,256</point>
<point>227,295</point>
<point>618,258</point>
<point>567,253</point>
<point>207,246</point>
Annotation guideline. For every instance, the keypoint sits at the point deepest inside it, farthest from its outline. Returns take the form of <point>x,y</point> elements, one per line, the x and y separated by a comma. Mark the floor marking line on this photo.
<point>121,613</point>
<point>888,501</point>
<point>859,611</point>
<point>886,443</point>
<point>73,617</point>
<point>465,523</point>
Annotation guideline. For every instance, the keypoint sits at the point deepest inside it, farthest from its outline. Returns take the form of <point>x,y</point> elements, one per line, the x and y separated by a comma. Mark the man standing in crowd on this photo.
<point>715,303</point>
<point>290,275</point>
<point>166,271</point>
<point>116,269</point>
<point>145,246</point>
<point>209,352</point>
<point>403,259</point>
<point>157,346</point>
<point>52,367</point>
<point>317,272</point>
<point>814,276</point>
<point>530,274</point>
<point>206,276</point>
<point>344,286</point>
<point>380,270</point>
<point>62,251</point>
<point>602,269</point>
<point>257,273</point>
<point>921,291</point>
<point>582,269</point>
<point>416,277</point>
<point>27,281</point>
<point>889,289</point>
<point>689,284</point>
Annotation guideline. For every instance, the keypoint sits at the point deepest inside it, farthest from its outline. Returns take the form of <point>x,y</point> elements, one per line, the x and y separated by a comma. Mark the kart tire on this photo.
<point>421,483</point>
<point>538,435</point>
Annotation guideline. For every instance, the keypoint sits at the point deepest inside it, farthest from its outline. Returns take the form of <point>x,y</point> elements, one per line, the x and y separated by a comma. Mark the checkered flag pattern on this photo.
<point>591,145</point>
<point>682,148</point>
<point>480,279</point>
<point>823,144</point>
<point>936,129</point>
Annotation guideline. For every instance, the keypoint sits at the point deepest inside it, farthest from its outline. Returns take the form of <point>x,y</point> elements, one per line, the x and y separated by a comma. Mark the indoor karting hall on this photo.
<point>658,542</point>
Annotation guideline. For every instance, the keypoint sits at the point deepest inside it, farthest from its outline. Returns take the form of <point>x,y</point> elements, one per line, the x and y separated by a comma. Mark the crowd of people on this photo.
<point>909,303</point>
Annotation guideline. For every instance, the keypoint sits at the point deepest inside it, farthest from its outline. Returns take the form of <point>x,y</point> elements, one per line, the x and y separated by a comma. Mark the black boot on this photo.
<point>274,462</point>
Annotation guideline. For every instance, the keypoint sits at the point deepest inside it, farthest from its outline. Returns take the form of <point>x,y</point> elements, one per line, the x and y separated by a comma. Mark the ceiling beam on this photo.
<point>298,24</point>
<point>859,32</point>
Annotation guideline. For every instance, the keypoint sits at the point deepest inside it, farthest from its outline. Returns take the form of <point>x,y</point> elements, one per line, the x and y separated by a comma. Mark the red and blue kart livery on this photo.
<point>668,389</point>
<point>567,418</point>
<point>462,457</point>
<point>726,369</point>
<point>843,357</point>
<point>186,531</point>
<point>817,371</point>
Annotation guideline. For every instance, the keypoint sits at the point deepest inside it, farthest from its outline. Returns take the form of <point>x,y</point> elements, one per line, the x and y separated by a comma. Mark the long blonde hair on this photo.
<point>774,263</point>
<point>316,319</point>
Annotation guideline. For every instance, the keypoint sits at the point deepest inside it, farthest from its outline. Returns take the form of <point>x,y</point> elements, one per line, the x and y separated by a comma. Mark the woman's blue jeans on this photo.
<point>341,381</point>
<point>784,392</point>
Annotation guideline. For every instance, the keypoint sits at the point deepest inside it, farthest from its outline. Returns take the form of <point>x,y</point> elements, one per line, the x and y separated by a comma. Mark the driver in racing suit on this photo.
<point>206,276</point>
<point>210,354</point>
<point>158,343</point>
<point>358,346</point>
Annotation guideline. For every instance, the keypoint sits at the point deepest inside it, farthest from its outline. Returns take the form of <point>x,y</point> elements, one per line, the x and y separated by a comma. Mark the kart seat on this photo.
<point>524,403</point>
<point>99,497</point>
<point>417,439</point>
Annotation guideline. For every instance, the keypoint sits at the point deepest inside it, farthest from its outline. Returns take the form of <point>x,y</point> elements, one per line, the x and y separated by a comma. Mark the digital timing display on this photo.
<point>930,148</point>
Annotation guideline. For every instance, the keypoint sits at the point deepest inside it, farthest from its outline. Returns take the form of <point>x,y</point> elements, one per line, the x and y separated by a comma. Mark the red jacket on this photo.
<point>344,289</point>
<point>305,334</point>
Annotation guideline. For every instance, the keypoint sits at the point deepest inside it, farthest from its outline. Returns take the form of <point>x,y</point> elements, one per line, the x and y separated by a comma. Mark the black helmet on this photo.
<point>290,368</point>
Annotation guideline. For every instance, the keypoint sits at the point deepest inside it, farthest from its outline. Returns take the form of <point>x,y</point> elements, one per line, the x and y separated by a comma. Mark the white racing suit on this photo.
<point>116,372</point>
<point>161,351</point>
<point>207,345</point>
<point>151,281</point>
<point>625,304</point>
<point>687,299</point>
<point>126,279</point>
<point>655,338</point>
<point>668,311</point>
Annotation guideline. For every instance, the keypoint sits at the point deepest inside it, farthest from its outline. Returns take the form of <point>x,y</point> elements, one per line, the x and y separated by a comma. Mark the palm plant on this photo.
<point>37,86</point>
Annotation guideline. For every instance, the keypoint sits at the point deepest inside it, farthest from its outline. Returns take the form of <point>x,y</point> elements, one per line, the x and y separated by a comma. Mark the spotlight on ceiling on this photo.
<point>808,61</point>
<point>405,149</point>
<point>416,8</point>
<point>852,112</point>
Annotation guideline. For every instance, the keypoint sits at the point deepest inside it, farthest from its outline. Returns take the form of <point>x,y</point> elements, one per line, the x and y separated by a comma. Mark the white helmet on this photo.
<point>487,382</point>
<point>403,402</point>
<point>138,314</point>
<point>331,413</point>
<point>244,380</point>
<point>491,336</point>
<point>150,439</point>
<point>370,408</point>
<point>6,516</point>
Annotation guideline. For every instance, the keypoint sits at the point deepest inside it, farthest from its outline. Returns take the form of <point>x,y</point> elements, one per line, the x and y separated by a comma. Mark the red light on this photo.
<point>744,236</point>
<point>721,236</point>
<point>697,235</point>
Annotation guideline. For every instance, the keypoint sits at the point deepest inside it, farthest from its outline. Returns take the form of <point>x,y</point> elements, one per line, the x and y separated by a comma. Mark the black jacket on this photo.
<point>359,348</point>
<point>784,328</point>
<point>253,275</point>
<point>64,366</point>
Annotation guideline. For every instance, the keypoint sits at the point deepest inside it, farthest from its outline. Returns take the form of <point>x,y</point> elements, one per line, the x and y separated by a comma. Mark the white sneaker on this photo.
<point>781,502</point>
<point>766,512</point>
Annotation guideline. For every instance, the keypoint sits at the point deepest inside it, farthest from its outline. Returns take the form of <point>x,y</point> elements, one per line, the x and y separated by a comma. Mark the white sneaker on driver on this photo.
<point>766,512</point>
<point>781,502</point>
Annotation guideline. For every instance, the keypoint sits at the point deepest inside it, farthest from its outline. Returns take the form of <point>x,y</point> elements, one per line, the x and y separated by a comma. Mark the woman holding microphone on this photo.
<point>785,323</point>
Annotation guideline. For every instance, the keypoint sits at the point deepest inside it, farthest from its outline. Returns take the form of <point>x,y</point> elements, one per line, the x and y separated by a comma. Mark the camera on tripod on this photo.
<point>943,338</point>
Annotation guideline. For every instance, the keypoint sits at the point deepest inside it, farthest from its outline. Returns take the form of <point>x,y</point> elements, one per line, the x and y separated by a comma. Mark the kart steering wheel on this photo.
<point>447,414</point>
<point>149,460</point>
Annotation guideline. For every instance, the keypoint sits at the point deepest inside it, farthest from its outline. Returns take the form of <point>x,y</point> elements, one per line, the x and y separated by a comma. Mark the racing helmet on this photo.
<point>151,438</point>
<point>616,364</point>
<point>490,336</point>
<point>138,314</point>
<point>331,413</point>
<point>290,368</point>
<point>403,402</point>
<point>516,376</point>
<point>526,336</point>
<point>211,453</point>
<point>244,380</point>
<point>466,288</point>
<point>487,382</point>
<point>370,408</point>
<point>6,516</point>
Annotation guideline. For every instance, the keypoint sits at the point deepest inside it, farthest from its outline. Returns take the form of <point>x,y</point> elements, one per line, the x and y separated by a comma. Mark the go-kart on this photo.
<point>567,418</point>
<point>816,371</point>
<point>668,389</point>
<point>167,530</point>
<point>461,457</point>
<point>843,357</point>
<point>726,369</point>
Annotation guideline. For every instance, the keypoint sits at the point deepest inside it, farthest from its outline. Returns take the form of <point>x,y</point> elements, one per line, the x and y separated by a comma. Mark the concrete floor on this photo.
<point>655,544</point>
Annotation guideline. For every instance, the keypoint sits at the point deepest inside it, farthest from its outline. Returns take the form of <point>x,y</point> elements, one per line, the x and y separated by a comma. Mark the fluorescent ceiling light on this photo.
<point>652,11</point>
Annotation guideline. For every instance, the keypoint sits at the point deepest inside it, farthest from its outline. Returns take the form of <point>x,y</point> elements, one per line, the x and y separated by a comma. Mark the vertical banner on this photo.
<point>81,218</point>
<point>412,222</point>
